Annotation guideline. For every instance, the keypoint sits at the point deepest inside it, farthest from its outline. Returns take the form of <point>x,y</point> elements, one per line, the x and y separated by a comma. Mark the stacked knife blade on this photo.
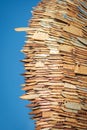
<point>56,65</point>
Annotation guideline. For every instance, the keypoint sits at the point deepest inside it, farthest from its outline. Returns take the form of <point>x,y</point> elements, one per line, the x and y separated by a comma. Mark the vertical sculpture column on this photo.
<point>56,65</point>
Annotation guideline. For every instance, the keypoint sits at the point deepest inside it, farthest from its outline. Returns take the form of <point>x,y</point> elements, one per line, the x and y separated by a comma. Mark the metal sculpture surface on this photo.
<point>56,65</point>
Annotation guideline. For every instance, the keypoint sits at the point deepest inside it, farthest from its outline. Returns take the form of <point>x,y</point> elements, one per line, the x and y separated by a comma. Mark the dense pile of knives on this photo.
<point>56,65</point>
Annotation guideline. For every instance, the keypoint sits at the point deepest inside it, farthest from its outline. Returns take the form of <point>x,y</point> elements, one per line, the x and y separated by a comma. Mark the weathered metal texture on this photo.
<point>56,65</point>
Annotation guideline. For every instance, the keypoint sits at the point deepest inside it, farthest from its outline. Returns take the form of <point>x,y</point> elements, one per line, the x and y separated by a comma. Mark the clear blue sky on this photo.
<point>13,113</point>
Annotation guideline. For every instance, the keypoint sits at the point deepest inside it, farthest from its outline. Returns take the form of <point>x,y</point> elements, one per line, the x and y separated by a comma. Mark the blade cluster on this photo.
<point>56,65</point>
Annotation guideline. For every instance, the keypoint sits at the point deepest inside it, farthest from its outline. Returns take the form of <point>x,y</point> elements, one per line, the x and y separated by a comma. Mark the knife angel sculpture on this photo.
<point>56,65</point>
